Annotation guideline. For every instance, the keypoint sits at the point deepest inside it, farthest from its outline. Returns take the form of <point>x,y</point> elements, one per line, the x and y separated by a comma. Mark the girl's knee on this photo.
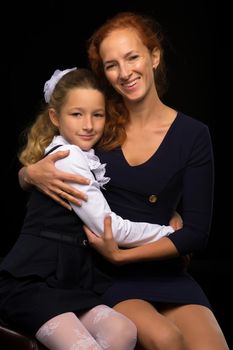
<point>124,332</point>
<point>124,328</point>
<point>116,329</point>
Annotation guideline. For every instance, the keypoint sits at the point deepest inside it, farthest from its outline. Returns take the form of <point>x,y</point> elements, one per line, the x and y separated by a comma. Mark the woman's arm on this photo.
<point>107,246</point>
<point>197,196</point>
<point>52,181</point>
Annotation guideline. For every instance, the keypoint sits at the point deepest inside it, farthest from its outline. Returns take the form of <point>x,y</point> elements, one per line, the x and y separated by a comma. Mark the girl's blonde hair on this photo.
<point>42,131</point>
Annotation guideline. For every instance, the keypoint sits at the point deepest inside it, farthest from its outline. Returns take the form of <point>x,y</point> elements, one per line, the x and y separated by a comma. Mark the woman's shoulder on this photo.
<point>193,134</point>
<point>190,123</point>
<point>188,129</point>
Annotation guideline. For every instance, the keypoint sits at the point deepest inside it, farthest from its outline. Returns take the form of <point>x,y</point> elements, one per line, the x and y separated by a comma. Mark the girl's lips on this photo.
<point>86,137</point>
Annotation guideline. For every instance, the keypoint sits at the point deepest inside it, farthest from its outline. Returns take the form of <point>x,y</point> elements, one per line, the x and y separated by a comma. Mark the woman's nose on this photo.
<point>125,71</point>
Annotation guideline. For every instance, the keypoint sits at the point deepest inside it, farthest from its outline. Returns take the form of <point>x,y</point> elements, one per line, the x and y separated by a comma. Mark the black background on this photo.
<point>42,36</point>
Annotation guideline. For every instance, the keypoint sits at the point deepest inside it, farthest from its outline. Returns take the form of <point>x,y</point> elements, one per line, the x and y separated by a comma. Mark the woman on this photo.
<point>156,157</point>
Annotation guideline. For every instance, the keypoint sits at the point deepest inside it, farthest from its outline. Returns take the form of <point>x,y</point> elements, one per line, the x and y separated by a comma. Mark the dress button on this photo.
<point>152,198</point>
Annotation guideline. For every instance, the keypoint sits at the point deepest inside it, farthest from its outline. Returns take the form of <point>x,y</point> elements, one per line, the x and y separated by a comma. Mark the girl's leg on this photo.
<point>155,331</point>
<point>198,325</point>
<point>66,332</point>
<point>111,329</point>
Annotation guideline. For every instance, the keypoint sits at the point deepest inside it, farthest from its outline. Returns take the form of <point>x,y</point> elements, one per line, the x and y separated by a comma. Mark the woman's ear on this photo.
<point>155,57</point>
<point>53,117</point>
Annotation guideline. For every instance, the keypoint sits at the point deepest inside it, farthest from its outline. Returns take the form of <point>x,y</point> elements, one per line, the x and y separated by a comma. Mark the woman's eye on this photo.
<point>133,58</point>
<point>110,66</point>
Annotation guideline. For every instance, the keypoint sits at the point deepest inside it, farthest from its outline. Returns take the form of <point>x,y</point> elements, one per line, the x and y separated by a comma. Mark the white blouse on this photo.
<point>93,211</point>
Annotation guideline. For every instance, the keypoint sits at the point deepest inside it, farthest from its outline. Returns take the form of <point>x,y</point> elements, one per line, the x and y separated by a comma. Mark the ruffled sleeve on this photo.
<point>97,168</point>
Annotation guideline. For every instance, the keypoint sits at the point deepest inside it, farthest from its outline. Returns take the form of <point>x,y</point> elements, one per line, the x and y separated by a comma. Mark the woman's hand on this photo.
<point>51,181</point>
<point>105,244</point>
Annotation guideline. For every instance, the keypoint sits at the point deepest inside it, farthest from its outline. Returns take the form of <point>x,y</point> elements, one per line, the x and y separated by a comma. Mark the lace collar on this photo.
<point>94,163</point>
<point>97,168</point>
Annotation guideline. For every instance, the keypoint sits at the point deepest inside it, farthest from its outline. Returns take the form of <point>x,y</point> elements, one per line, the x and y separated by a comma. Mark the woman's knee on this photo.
<point>169,338</point>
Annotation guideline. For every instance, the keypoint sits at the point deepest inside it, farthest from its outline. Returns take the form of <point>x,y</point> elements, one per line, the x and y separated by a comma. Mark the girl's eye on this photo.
<point>76,114</point>
<point>99,115</point>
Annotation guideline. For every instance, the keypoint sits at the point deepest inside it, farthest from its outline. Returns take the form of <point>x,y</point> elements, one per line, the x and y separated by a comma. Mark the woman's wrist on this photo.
<point>24,179</point>
<point>118,257</point>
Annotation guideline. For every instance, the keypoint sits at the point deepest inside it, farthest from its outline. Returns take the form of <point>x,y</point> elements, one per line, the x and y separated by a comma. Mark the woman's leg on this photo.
<point>198,325</point>
<point>66,332</point>
<point>155,331</point>
<point>110,329</point>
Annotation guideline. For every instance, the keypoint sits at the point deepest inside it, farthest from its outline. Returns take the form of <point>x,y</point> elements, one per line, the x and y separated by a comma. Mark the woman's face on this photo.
<point>128,64</point>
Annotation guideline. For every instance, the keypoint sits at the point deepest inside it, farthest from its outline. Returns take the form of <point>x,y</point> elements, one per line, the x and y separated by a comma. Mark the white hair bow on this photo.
<point>52,82</point>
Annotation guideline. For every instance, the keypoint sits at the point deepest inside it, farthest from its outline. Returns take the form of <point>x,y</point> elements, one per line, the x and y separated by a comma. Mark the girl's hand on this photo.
<point>105,243</point>
<point>51,181</point>
<point>176,221</point>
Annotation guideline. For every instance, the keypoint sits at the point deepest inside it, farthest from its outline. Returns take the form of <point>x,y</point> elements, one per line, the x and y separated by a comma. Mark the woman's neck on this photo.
<point>153,112</point>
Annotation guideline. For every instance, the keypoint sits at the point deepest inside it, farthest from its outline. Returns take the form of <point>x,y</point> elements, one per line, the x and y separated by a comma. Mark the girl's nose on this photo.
<point>87,123</point>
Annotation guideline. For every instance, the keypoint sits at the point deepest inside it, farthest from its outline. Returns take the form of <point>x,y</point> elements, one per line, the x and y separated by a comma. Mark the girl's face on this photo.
<point>82,117</point>
<point>128,64</point>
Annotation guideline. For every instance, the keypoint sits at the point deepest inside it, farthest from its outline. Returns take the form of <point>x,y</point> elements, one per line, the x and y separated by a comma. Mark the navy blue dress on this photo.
<point>180,171</point>
<point>49,270</point>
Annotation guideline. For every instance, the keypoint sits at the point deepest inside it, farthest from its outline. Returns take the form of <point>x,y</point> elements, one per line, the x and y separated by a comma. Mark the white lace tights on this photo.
<point>96,329</point>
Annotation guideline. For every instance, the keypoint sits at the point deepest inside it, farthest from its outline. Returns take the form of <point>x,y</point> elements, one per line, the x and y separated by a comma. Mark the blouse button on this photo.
<point>84,242</point>
<point>153,198</point>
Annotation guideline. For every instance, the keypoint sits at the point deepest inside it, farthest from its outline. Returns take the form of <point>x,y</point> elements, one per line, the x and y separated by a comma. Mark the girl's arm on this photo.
<point>197,204</point>
<point>92,212</point>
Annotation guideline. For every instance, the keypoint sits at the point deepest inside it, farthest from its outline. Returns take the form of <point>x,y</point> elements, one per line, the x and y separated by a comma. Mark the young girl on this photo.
<point>48,284</point>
